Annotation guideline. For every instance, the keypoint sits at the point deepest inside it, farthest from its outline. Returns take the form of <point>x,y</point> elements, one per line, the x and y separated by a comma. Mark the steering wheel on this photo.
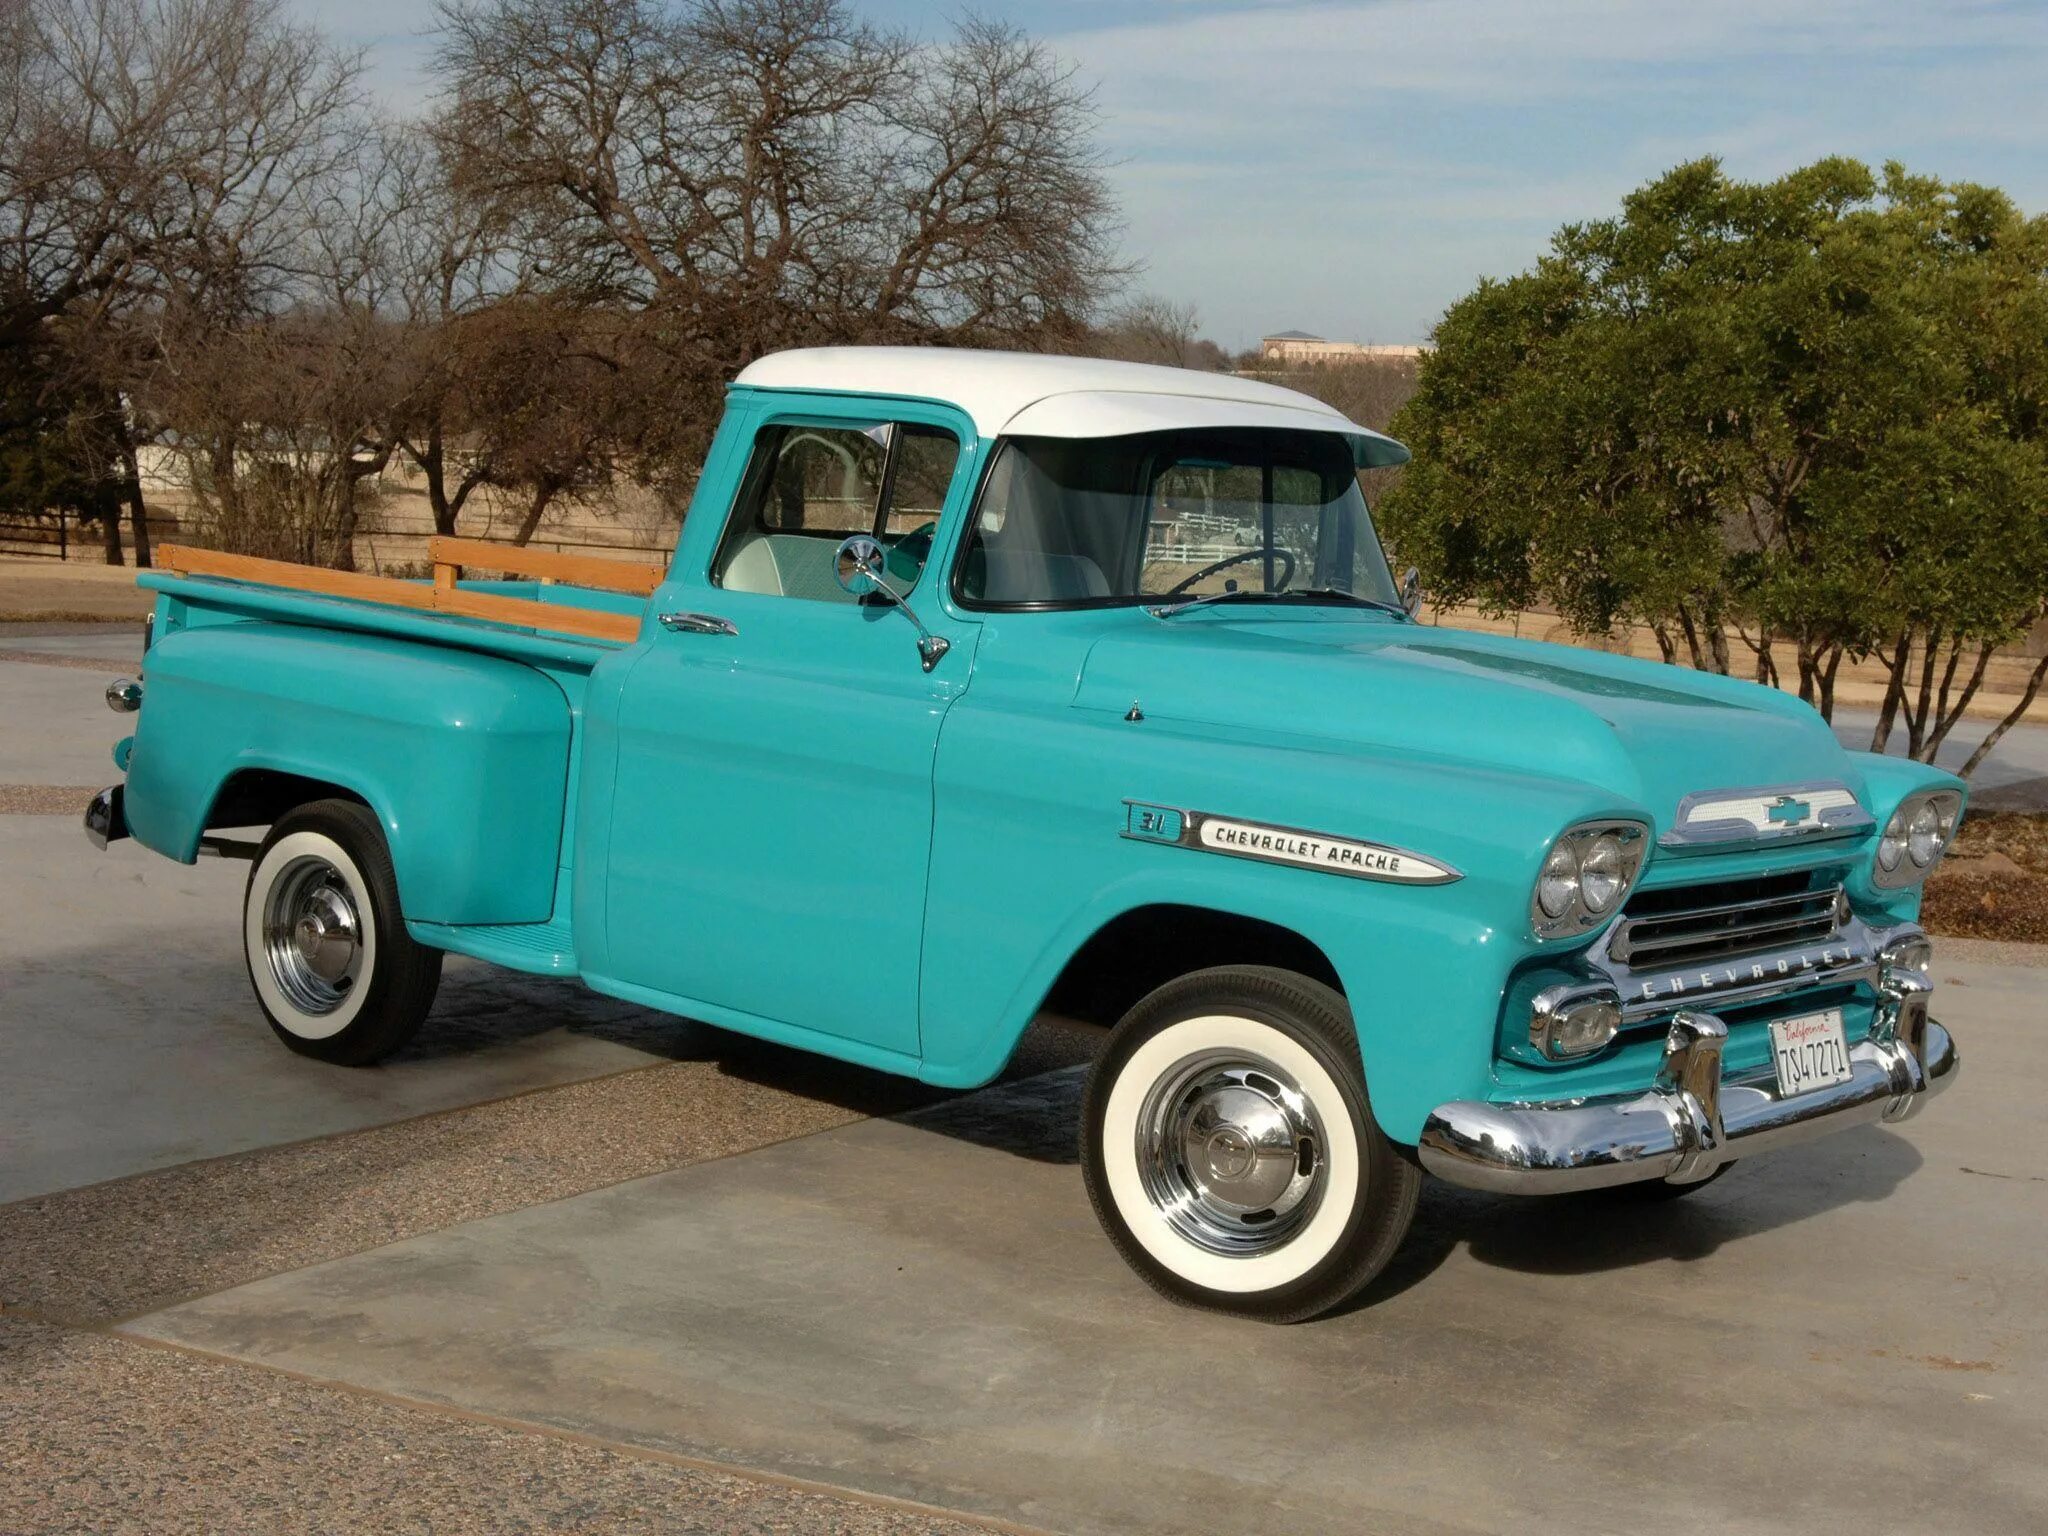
<point>1257,552</point>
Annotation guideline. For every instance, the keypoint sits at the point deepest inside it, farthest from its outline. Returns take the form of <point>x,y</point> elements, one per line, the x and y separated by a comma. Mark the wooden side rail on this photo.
<point>389,590</point>
<point>450,555</point>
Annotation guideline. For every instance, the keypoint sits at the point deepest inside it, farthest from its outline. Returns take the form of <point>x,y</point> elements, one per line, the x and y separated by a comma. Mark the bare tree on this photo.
<point>551,401</point>
<point>280,425</point>
<point>155,151</point>
<point>451,264</point>
<point>743,175</point>
<point>1150,329</point>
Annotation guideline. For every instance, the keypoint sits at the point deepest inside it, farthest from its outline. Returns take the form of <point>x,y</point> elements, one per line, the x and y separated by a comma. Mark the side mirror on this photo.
<point>1411,590</point>
<point>858,565</point>
<point>859,568</point>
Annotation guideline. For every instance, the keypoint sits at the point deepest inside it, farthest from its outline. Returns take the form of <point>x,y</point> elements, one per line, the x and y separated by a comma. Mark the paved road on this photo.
<point>2014,777</point>
<point>128,1039</point>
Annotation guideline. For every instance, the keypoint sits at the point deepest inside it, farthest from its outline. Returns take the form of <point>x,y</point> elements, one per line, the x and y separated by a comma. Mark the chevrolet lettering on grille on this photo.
<point>1693,983</point>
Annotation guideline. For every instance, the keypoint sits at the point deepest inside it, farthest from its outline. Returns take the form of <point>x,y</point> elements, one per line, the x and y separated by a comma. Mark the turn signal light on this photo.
<point>1567,1022</point>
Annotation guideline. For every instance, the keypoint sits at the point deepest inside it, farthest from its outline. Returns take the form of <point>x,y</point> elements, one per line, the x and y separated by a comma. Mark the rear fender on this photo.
<point>463,757</point>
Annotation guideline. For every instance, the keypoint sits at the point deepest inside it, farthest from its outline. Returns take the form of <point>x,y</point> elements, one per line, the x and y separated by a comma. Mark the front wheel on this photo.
<point>335,972</point>
<point>1230,1149</point>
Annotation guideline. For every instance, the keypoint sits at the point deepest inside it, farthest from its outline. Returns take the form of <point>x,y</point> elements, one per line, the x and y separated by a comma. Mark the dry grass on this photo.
<point>1994,882</point>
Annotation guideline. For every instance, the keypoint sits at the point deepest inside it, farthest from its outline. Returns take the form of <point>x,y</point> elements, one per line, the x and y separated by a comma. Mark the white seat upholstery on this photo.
<point>752,569</point>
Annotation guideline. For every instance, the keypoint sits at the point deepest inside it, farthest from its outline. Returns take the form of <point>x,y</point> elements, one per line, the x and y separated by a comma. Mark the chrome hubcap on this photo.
<point>312,935</point>
<point>1231,1153</point>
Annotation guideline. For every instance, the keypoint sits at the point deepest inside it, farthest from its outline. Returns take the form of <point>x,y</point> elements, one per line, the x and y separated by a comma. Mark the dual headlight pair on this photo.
<point>1586,877</point>
<point>1916,837</point>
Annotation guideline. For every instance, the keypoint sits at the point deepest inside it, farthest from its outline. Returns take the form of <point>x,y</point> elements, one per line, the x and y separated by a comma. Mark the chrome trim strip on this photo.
<point>1848,955</point>
<point>1290,847</point>
<point>1729,943</point>
<point>1691,1123</point>
<point>1832,821</point>
<point>1727,908</point>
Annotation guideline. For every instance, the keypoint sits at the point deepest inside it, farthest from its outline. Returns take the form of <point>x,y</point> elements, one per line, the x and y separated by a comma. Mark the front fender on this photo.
<point>1888,780</point>
<point>463,757</point>
<point>1029,861</point>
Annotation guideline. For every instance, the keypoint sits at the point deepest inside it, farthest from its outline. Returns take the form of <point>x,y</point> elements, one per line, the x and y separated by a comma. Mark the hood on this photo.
<point>1642,731</point>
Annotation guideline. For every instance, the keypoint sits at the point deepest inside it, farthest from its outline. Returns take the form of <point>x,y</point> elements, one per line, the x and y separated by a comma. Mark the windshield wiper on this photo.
<point>1339,595</point>
<point>1313,594</point>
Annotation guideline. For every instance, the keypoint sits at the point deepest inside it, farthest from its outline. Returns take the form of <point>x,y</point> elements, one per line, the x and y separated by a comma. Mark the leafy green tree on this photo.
<point>1807,412</point>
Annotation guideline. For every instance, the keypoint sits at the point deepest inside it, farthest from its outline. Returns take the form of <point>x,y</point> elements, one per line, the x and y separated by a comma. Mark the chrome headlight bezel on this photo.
<point>1630,842</point>
<point>1900,860</point>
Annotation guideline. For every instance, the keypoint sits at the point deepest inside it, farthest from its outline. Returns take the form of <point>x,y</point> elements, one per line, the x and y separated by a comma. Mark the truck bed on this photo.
<point>451,708</point>
<point>569,595</point>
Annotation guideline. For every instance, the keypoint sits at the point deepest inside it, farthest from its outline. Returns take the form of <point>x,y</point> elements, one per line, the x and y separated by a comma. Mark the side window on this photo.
<point>808,487</point>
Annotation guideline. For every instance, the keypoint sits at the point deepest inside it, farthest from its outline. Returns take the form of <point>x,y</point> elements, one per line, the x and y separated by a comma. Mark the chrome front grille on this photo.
<point>1678,927</point>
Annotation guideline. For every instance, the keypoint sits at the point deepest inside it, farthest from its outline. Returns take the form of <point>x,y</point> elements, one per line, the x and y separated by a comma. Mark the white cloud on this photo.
<point>1351,168</point>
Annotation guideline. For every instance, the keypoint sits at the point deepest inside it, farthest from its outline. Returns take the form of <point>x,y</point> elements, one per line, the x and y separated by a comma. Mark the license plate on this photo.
<point>1810,1052</point>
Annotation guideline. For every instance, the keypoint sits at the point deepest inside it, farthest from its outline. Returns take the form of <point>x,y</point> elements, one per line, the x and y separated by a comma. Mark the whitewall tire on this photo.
<point>335,972</point>
<point>1230,1149</point>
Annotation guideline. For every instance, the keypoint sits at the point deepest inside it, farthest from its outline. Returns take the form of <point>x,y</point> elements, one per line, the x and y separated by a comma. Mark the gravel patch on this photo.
<point>58,659</point>
<point>17,629</point>
<point>133,1245</point>
<point>114,1437</point>
<point>46,799</point>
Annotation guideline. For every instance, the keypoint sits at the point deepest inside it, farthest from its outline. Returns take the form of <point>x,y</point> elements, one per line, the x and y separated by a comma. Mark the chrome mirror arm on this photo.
<point>858,567</point>
<point>931,648</point>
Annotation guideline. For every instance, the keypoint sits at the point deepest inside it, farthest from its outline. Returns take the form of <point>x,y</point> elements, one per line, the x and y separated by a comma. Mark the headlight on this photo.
<point>1586,876</point>
<point>1558,886</point>
<point>1601,879</point>
<point>1915,838</point>
<point>1892,846</point>
<point>1923,836</point>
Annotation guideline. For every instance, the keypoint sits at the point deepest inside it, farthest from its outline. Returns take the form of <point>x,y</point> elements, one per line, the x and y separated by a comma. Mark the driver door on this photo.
<point>773,808</point>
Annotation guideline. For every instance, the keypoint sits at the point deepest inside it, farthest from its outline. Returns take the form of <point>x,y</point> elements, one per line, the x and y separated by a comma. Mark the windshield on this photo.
<point>1162,516</point>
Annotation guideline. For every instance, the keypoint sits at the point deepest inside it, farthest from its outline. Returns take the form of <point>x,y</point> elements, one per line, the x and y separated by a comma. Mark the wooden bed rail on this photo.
<point>443,596</point>
<point>450,555</point>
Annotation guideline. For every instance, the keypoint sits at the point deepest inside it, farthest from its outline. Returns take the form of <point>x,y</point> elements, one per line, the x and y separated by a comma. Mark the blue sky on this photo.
<point>1350,168</point>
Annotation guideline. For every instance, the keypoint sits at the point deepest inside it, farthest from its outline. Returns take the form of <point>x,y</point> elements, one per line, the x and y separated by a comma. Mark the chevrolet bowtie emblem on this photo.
<point>1788,812</point>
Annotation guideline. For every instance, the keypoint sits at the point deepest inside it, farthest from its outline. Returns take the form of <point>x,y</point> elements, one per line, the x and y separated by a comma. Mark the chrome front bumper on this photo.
<point>1692,1121</point>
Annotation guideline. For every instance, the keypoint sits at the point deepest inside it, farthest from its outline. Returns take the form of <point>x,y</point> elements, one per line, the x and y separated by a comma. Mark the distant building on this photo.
<point>1300,347</point>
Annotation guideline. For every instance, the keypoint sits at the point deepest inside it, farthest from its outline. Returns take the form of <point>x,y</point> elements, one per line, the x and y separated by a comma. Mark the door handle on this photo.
<point>698,624</point>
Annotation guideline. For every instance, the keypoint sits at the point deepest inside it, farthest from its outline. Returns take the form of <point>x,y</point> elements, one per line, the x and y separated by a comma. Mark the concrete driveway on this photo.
<point>1844,1336</point>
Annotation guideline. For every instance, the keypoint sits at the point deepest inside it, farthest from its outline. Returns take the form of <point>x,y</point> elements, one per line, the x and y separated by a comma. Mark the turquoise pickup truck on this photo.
<point>986,684</point>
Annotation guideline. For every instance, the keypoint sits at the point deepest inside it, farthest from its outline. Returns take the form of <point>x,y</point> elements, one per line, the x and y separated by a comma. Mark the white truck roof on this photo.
<point>1035,394</point>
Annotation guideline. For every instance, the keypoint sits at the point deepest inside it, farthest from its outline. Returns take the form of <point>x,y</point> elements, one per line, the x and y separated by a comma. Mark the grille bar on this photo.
<point>1721,930</point>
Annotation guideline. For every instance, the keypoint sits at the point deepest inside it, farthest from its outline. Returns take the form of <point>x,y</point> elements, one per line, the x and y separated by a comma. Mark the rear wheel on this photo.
<point>1230,1149</point>
<point>335,972</point>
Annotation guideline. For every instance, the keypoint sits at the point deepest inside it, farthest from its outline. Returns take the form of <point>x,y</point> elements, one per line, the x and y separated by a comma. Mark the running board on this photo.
<point>541,949</point>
